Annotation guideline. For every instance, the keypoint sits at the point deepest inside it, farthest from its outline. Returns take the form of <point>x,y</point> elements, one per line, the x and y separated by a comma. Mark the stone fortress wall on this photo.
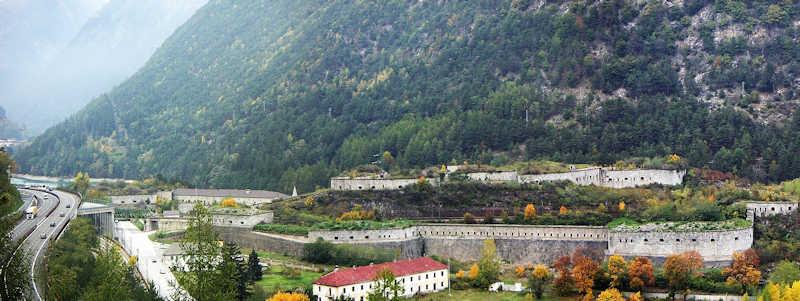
<point>713,245</point>
<point>370,183</point>
<point>611,178</point>
<point>505,176</point>
<point>364,235</point>
<point>545,244</point>
<point>138,200</point>
<point>245,221</point>
<point>759,209</point>
<point>588,176</point>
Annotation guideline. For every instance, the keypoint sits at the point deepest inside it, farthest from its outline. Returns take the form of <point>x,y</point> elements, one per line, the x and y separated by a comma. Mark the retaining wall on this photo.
<point>262,241</point>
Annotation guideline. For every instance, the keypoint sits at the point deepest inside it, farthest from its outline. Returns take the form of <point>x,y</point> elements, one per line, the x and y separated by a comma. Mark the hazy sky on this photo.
<point>57,55</point>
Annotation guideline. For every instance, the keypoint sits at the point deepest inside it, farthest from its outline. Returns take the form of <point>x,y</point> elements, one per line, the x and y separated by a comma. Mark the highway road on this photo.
<point>138,243</point>
<point>33,244</point>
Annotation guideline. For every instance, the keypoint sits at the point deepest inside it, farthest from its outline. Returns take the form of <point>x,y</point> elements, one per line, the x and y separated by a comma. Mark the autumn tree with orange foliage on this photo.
<point>636,297</point>
<point>563,284</point>
<point>358,213</point>
<point>641,273</point>
<point>530,213</point>
<point>583,271</point>
<point>520,271</point>
<point>280,296</point>
<point>562,210</point>
<point>743,269</point>
<point>679,267</point>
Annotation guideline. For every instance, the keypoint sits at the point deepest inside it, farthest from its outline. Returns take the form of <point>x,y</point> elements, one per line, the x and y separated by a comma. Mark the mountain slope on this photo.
<point>109,47</point>
<point>271,94</point>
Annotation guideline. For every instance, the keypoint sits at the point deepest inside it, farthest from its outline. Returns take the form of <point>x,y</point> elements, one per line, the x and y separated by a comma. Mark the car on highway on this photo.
<point>43,236</point>
<point>69,205</point>
<point>153,260</point>
<point>53,224</point>
<point>162,271</point>
<point>46,197</point>
<point>62,214</point>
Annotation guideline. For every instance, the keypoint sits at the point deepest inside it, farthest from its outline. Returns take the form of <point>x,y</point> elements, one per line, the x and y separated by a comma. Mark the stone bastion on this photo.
<point>713,245</point>
<point>544,244</point>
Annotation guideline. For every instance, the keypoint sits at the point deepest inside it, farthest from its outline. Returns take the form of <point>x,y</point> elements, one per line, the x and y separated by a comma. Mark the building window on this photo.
<point>713,239</point>
<point>336,238</point>
<point>735,238</point>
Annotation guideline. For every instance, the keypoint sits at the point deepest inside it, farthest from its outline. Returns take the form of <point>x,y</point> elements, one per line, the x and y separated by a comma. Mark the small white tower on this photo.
<point>294,191</point>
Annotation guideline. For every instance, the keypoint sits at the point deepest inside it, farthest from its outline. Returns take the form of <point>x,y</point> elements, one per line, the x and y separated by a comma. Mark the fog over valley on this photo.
<point>55,56</point>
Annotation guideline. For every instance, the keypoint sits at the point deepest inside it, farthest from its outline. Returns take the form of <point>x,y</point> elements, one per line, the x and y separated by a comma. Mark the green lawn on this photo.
<point>276,279</point>
<point>482,295</point>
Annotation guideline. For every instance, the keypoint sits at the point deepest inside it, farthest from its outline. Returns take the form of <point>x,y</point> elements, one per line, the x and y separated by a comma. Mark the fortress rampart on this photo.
<point>760,209</point>
<point>611,178</point>
<point>493,176</point>
<point>713,245</point>
<point>588,176</point>
<point>369,183</point>
<point>544,244</point>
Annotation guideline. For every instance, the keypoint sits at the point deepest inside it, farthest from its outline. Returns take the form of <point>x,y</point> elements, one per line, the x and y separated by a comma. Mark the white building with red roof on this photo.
<point>416,276</point>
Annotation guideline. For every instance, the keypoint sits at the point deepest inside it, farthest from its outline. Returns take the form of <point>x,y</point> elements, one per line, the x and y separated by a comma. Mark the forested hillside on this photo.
<point>271,94</point>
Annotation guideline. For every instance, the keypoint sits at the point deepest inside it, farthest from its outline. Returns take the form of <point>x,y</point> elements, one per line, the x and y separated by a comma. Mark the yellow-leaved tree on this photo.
<point>281,296</point>
<point>562,210</point>
<point>622,206</point>
<point>539,279</point>
<point>530,212</point>
<point>229,202</point>
<point>473,271</point>
<point>460,274</point>
<point>617,267</point>
<point>610,294</point>
<point>638,297</point>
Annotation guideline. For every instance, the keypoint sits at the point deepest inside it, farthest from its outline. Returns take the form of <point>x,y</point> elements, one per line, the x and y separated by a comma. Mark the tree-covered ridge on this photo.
<point>273,94</point>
